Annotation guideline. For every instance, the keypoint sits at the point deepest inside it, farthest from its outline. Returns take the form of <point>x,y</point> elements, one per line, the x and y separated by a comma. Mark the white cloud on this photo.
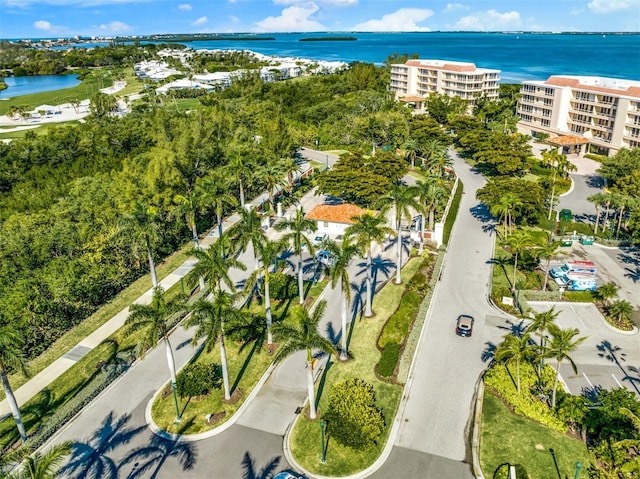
<point>233,19</point>
<point>200,21</point>
<point>115,27</point>
<point>65,3</point>
<point>490,21</point>
<point>295,18</point>
<point>342,3</point>
<point>403,20</point>
<point>609,6</point>
<point>185,6</point>
<point>455,7</point>
<point>42,25</point>
<point>576,11</point>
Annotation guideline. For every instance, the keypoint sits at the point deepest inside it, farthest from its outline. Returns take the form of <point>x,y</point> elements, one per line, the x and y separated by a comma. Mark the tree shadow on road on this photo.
<point>482,213</point>
<point>250,471</point>
<point>153,456</point>
<point>615,355</point>
<point>91,459</point>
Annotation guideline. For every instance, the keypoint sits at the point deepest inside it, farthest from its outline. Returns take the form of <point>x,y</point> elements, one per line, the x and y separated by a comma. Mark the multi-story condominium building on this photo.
<point>586,113</point>
<point>416,79</point>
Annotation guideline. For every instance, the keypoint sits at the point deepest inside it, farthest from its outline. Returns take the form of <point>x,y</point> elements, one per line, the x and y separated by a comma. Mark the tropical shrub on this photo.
<point>389,359</point>
<point>198,379</point>
<point>398,325</point>
<point>502,381</point>
<point>353,419</point>
<point>282,286</point>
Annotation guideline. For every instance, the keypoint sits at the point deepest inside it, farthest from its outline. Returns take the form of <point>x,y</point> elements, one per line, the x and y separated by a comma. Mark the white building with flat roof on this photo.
<point>602,114</point>
<point>417,79</point>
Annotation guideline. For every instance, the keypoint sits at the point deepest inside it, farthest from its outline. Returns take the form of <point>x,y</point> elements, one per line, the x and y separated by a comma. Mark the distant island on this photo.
<point>328,39</point>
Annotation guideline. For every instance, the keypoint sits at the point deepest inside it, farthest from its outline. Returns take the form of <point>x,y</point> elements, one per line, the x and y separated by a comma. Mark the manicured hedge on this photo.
<point>388,360</point>
<point>453,212</point>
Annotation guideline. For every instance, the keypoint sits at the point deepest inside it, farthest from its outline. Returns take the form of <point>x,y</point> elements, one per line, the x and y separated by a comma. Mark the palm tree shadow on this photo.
<point>481,213</point>
<point>322,381</point>
<point>250,472</point>
<point>158,451</point>
<point>90,458</point>
<point>613,354</point>
<point>489,353</point>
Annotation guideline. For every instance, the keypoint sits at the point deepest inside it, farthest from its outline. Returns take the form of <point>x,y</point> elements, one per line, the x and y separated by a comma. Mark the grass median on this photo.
<point>305,440</point>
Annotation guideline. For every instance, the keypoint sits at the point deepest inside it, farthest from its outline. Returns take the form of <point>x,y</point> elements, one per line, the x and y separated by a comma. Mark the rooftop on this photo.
<point>335,213</point>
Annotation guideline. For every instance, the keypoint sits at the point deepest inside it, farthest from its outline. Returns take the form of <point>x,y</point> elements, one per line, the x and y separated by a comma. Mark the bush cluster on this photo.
<point>353,418</point>
<point>502,381</point>
<point>282,286</point>
<point>389,359</point>
<point>198,379</point>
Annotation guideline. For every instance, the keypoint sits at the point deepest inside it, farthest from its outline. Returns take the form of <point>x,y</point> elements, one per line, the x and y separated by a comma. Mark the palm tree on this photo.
<point>519,242</point>
<point>515,349</point>
<point>303,335</point>
<point>154,320</point>
<point>621,310</point>
<point>271,174</point>
<point>540,325</point>
<point>289,167</point>
<point>563,342</point>
<point>607,291</point>
<point>429,194</point>
<point>297,238</point>
<point>433,152</point>
<point>547,252</point>
<point>269,252</point>
<point>248,231</point>
<point>368,229</point>
<point>411,149</point>
<point>239,170</point>
<point>187,205</point>
<point>11,358</point>
<point>141,225</point>
<point>339,273</point>
<point>210,317</point>
<point>44,465</point>
<point>504,209</point>
<point>401,199</point>
<point>214,268</point>
<point>598,200</point>
<point>216,193</point>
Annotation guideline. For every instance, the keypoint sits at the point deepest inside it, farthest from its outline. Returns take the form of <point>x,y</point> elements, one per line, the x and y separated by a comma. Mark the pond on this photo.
<point>19,86</point>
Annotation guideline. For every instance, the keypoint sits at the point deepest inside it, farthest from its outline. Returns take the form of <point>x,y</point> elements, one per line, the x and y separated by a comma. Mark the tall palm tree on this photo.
<point>44,465</point>
<point>547,252</point>
<point>339,273</point>
<point>11,358</point>
<point>216,194</point>
<point>411,149</point>
<point>271,175</point>
<point>515,349</point>
<point>154,320</point>
<point>505,209</point>
<point>598,199</point>
<point>430,193</point>
<point>402,200</point>
<point>433,149</point>
<point>368,229</point>
<point>563,342</point>
<point>141,225</point>
<point>302,335</point>
<point>248,231</point>
<point>269,252</point>
<point>519,242</point>
<point>214,268</point>
<point>187,206</point>
<point>210,317</point>
<point>239,169</point>
<point>540,325</point>
<point>296,236</point>
<point>289,167</point>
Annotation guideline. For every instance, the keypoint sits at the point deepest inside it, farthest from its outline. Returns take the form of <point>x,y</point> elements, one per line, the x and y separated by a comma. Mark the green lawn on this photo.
<point>305,441</point>
<point>507,438</point>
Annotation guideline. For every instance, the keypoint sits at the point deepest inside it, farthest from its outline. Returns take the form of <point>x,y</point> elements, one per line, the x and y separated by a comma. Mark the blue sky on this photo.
<point>66,18</point>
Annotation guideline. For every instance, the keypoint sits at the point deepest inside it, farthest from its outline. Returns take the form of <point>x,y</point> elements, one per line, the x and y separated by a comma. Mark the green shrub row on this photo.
<point>453,212</point>
<point>502,381</point>
<point>388,360</point>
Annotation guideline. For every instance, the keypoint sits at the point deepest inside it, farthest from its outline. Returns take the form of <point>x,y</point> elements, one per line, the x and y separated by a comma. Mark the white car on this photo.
<point>325,258</point>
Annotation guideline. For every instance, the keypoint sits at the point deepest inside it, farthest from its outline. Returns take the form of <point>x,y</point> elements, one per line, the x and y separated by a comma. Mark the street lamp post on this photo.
<point>578,467</point>
<point>323,425</point>
<point>175,400</point>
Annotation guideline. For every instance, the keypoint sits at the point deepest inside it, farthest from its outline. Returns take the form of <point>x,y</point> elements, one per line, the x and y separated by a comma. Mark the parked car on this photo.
<point>319,239</point>
<point>288,475</point>
<point>325,258</point>
<point>464,325</point>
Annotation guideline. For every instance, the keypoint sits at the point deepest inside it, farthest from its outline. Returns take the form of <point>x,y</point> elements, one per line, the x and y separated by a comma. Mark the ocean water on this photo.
<point>520,56</point>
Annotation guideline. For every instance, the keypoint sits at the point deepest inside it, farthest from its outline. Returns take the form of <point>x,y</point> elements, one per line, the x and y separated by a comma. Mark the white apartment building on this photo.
<point>416,79</point>
<point>589,113</point>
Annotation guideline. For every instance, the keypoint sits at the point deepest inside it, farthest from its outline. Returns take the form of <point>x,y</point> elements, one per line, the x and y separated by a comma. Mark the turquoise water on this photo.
<point>19,86</point>
<point>520,56</point>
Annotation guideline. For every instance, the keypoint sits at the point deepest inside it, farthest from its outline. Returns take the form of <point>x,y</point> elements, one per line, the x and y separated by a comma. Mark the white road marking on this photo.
<point>585,376</point>
<point>579,319</point>
<point>616,379</point>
